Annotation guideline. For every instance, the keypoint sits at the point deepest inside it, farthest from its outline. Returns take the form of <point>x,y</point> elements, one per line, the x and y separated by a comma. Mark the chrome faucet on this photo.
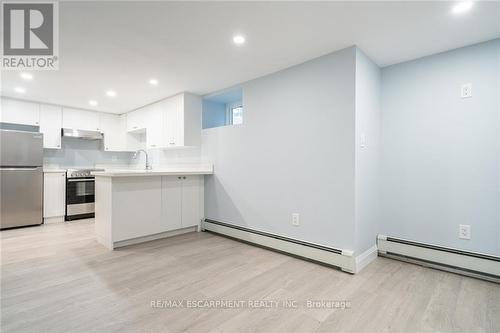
<point>148,166</point>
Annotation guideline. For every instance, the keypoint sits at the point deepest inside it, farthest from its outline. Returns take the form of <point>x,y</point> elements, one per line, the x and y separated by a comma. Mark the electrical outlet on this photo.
<point>464,231</point>
<point>295,219</point>
<point>466,90</point>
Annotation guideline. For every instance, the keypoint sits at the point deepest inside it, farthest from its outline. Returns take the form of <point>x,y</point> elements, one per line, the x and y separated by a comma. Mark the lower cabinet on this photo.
<point>172,202</point>
<point>181,201</point>
<point>192,207</point>
<point>129,208</point>
<point>54,196</point>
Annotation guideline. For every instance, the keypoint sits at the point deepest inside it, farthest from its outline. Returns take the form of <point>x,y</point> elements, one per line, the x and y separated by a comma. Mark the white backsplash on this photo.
<point>168,157</point>
<point>78,153</point>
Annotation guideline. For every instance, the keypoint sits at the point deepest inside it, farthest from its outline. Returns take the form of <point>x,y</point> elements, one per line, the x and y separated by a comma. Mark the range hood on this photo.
<point>81,134</point>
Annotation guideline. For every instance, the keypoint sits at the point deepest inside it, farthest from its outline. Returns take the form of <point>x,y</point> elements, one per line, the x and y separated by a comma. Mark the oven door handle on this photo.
<point>81,180</point>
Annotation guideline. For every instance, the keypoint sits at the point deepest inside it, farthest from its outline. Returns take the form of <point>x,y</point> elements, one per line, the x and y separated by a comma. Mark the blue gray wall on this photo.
<point>216,107</point>
<point>294,153</point>
<point>214,114</point>
<point>441,153</point>
<point>368,122</point>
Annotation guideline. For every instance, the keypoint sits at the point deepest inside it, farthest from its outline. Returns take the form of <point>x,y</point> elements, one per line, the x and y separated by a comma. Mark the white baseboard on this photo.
<point>153,237</point>
<point>336,257</point>
<point>455,260</point>
<point>53,219</point>
<point>365,258</point>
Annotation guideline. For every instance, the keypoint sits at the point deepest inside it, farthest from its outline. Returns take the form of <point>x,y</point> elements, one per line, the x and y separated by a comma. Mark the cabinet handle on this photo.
<point>179,177</point>
<point>153,145</point>
<point>184,177</point>
<point>172,143</point>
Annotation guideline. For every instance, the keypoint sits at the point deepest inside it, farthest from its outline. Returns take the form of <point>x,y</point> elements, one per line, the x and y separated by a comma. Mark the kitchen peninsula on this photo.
<point>134,206</point>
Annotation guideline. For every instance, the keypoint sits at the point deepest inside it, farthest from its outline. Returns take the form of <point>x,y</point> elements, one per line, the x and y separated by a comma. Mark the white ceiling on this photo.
<point>188,46</point>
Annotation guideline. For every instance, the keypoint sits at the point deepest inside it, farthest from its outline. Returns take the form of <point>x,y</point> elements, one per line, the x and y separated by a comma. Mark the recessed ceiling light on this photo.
<point>26,76</point>
<point>462,7</point>
<point>239,40</point>
<point>93,102</point>
<point>153,82</point>
<point>111,93</point>
<point>20,90</point>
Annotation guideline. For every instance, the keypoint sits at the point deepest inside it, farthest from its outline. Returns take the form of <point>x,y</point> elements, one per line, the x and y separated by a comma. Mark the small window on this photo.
<point>237,115</point>
<point>223,108</point>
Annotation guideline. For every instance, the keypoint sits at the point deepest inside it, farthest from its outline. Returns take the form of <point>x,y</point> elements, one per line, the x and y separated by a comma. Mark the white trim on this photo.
<point>345,260</point>
<point>455,260</point>
<point>104,241</point>
<point>229,111</point>
<point>365,258</point>
<point>148,238</point>
<point>53,219</point>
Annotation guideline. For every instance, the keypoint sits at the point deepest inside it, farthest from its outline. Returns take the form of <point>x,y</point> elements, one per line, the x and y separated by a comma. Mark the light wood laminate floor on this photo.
<point>57,278</point>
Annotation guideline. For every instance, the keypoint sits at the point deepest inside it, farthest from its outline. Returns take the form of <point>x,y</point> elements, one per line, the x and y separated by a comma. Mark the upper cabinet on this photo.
<point>172,122</point>
<point>19,112</point>
<point>137,120</point>
<point>116,138</point>
<point>169,123</point>
<point>155,129</point>
<point>182,120</point>
<point>50,125</point>
<point>188,122</point>
<point>110,126</point>
<point>80,119</point>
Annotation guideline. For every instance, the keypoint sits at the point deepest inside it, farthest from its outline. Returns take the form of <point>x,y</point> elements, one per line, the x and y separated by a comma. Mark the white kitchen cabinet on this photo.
<point>130,194</point>
<point>172,202</point>
<point>189,124</point>
<point>155,128</point>
<point>19,112</point>
<point>191,203</point>
<point>50,125</point>
<point>54,196</point>
<point>172,122</point>
<point>183,120</point>
<point>137,120</point>
<point>181,201</point>
<point>80,119</point>
<point>133,209</point>
<point>114,137</point>
<point>131,139</point>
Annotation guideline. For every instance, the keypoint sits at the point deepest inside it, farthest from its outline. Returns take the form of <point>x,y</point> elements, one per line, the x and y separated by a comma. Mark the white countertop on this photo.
<point>174,171</point>
<point>53,170</point>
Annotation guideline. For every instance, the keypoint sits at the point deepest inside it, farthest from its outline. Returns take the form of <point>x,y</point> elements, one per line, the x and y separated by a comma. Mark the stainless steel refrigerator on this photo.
<point>21,178</point>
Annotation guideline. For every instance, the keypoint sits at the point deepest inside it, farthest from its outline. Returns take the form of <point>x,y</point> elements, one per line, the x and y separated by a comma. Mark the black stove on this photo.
<point>80,194</point>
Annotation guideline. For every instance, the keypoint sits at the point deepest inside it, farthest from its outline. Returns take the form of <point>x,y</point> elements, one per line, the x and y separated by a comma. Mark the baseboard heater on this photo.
<point>473,264</point>
<point>343,259</point>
